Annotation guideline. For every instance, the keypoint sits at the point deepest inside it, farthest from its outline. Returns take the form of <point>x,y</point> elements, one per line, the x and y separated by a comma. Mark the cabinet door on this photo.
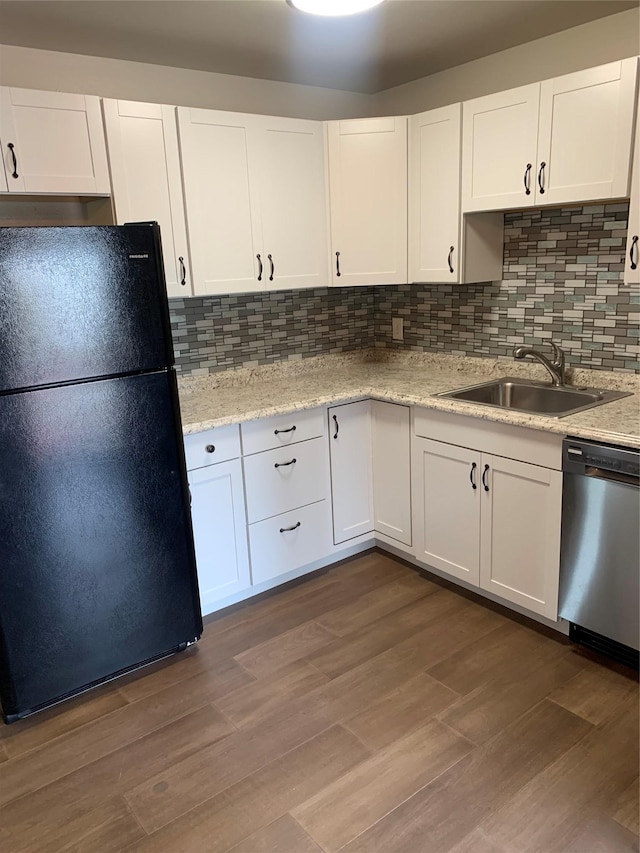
<point>58,143</point>
<point>219,532</point>
<point>585,134</point>
<point>632,255</point>
<point>145,175</point>
<point>434,195</point>
<point>390,439</point>
<point>368,191</point>
<point>223,216</point>
<point>520,535</point>
<point>499,138</point>
<point>293,203</point>
<point>446,508</point>
<point>351,474</point>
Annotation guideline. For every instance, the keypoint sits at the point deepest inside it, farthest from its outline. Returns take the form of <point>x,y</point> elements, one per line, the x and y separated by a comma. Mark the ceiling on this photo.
<point>392,44</point>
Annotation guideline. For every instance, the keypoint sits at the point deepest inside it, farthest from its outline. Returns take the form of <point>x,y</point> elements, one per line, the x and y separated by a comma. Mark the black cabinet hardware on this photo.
<point>183,272</point>
<point>484,476</point>
<point>338,273</point>
<point>288,529</point>
<point>633,252</point>
<point>472,478</point>
<point>335,420</point>
<point>284,464</point>
<point>541,176</point>
<point>259,268</point>
<point>210,448</point>
<point>449,258</point>
<point>273,269</point>
<point>14,174</point>
<point>278,431</point>
<point>527,180</point>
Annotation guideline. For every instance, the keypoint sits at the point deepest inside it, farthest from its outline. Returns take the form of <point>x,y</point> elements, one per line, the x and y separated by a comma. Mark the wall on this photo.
<point>595,43</point>
<point>29,68</point>
<point>562,281</point>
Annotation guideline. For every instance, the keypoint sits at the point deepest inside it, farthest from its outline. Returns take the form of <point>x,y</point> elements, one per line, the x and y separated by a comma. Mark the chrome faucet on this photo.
<point>555,367</point>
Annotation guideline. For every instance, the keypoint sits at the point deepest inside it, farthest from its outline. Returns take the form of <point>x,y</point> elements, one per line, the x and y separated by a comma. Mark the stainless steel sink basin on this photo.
<point>538,398</point>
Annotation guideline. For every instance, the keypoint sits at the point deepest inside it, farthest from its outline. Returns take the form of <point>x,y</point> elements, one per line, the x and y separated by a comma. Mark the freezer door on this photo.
<point>97,567</point>
<point>79,303</point>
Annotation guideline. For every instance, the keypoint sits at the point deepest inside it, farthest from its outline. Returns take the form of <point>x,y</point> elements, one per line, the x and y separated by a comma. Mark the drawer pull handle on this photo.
<point>10,146</point>
<point>472,478</point>
<point>335,420</point>
<point>278,431</point>
<point>541,177</point>
<point>284,464</point>
<point>527,180</point>
<point>484,480</point>
<point>289,529</point>
<point>210,448</point>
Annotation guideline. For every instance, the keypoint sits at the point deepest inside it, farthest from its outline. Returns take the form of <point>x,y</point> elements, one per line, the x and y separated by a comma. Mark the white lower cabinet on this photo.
<point>287,542</point>
<point>219,531</point>
<point>351,470</point>
<point>391,455</point>
<point>491,521</point>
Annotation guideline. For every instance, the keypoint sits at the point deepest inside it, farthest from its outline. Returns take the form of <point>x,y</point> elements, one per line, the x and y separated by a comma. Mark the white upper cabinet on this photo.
<point>368,191</point>
<point>146,180</point>
<point>254,187</point>
<point>442,246</point>
<point>632,256</point>
<point>293,202</point>
<point>52,143</point>
<point>560,141</point>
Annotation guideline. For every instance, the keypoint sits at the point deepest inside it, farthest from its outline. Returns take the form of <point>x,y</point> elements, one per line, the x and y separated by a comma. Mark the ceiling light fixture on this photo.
<point>333,8</point>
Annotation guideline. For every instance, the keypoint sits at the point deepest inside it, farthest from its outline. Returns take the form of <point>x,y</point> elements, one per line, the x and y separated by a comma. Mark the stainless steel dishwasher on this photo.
<point>600,551</point>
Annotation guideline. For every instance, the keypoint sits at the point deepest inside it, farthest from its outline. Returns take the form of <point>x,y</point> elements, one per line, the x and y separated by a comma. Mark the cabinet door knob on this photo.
<point>449,258</point>
<point>338,273</point>
<point>527,180</point>
<point>273,269</point>
<point>210,448</point>
<point>289,529</point>
<point>541,177</point>
<point>284,464</point>
<point>633,252</point>
<point>335,420</point>
<point>472,477</point>
<point>259,267</point>
<point>278,431</point>
<point>484,478</point>
<point>14,174</point>
<point>183,271</point>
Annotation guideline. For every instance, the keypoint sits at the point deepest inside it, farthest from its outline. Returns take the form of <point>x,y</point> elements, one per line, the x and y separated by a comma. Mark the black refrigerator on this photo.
<point>97,564</point>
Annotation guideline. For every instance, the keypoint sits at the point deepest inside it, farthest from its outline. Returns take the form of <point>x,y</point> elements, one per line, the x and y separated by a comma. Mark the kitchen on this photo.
<point>417,306</point>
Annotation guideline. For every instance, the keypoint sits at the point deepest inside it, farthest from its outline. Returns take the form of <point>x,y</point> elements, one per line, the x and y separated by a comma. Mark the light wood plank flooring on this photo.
<point>367,709</point>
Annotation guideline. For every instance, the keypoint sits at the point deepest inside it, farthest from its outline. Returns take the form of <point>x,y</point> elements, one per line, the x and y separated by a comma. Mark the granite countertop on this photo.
<point>247,394</point>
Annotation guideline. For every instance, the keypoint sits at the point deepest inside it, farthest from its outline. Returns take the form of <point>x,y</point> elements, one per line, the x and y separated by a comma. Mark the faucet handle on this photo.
<point>558,355</point>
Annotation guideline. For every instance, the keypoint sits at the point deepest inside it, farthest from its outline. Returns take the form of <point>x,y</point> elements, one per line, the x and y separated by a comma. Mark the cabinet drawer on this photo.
<point>276,549</point>
<point>282,430</point>
<point>281,480</point>
<point>225,442</point>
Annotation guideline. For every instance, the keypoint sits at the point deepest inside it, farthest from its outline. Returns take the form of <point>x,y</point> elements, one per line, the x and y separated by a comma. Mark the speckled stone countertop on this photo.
<point>247,394</point>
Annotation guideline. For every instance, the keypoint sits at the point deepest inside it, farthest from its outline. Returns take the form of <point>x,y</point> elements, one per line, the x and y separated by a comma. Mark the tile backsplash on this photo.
<point>562,281</point>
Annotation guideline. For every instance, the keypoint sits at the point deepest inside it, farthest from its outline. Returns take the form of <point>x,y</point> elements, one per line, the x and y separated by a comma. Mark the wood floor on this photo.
<point>365,710</point>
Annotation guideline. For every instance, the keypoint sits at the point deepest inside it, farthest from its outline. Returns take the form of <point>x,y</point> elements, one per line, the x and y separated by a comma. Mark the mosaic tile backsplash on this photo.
<point>562,281</point>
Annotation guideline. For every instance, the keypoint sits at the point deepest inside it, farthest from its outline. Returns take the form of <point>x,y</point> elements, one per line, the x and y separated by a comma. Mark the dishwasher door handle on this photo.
<point>611,476</point>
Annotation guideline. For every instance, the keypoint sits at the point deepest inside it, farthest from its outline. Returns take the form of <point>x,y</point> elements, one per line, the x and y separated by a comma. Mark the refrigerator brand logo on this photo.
<point>139,256</point>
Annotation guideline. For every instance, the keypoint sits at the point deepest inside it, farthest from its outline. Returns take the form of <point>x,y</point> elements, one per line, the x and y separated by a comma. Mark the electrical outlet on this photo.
<point>397,328</point>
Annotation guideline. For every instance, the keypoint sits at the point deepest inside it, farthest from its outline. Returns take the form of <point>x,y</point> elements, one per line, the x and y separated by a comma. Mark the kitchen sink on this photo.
<point>538,398</point>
